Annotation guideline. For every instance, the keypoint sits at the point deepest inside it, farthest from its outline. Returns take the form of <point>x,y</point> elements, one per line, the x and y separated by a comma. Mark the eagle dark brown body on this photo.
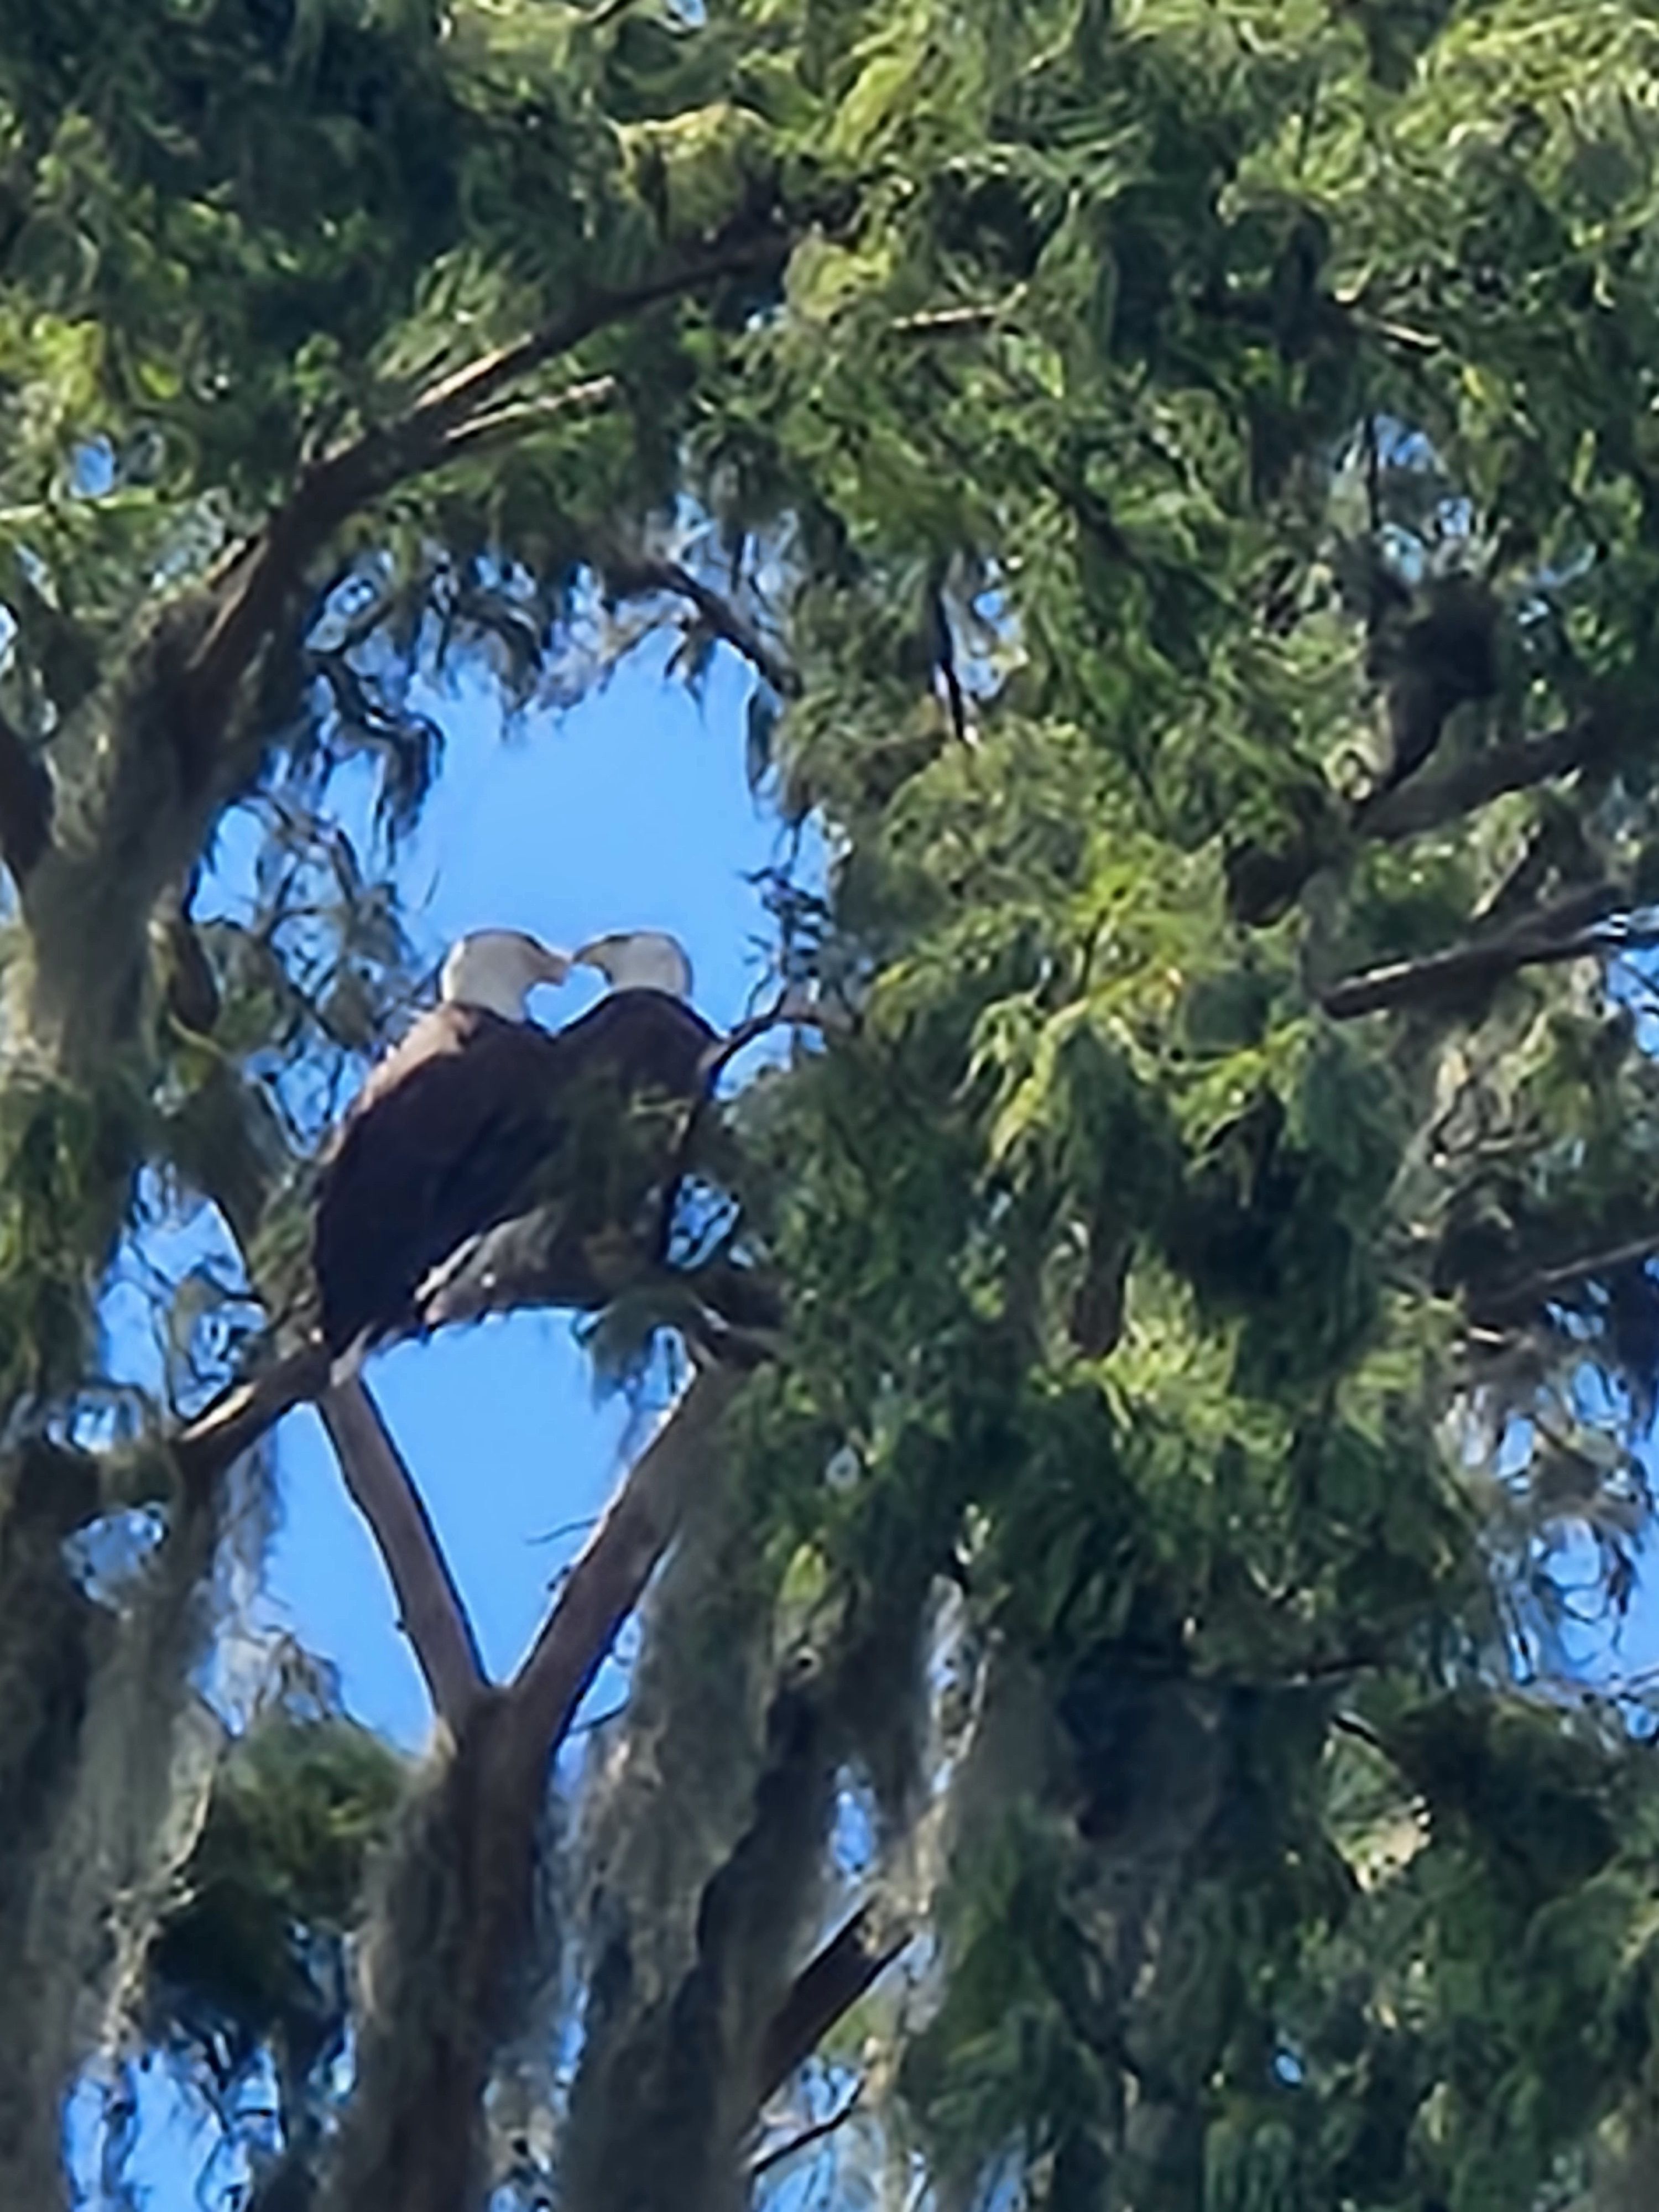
<point>474,1122</point>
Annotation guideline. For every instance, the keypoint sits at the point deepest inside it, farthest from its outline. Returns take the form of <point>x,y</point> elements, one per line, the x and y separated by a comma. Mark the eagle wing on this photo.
<point>439,1145</point>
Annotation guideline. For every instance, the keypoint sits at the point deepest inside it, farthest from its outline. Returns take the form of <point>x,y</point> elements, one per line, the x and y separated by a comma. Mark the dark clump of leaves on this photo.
<point>252,1955</point>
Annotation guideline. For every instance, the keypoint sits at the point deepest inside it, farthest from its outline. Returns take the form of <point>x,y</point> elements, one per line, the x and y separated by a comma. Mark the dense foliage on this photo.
<point>1183,474</point>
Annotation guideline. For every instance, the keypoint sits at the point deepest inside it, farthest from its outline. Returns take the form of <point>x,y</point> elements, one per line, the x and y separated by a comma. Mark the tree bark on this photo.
<point>107,1758</point>
<point>451,1934</point>
<point>430,1610</point>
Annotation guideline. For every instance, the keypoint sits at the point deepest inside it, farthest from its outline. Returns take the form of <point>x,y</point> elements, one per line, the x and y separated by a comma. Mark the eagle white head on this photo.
<point>497,969</point>
<point>638,960</point>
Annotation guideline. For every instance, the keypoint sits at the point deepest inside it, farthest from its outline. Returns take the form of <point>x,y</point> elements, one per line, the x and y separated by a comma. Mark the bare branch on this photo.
<point>611,1572</point>
<point>335,486</point>
<point>650,573</point>
<point>824,1991</point>
<point>950,322</point>
<point>1430,801</point>
<point>1511,1299</point>
<point>806,2137</point>
<point>26,804</point>
<point>791,1010</point>
<point>240,1416</point>
<point>944,656</point>
<point>500,425</point>
<point>431,1613</point>
<point>1463,967</point>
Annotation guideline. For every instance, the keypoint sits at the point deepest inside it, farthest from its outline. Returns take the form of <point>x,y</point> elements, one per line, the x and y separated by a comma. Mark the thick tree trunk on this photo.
<point>659,2117</point>
<point>104,1765</point>
<point>441,1977</point>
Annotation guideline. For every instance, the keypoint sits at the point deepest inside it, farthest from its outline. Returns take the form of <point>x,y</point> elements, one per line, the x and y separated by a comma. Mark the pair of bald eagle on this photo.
<point>488,1162</point>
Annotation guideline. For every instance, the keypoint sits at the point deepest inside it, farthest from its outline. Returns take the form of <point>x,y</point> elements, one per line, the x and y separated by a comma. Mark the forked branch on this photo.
<point>244,1413</point>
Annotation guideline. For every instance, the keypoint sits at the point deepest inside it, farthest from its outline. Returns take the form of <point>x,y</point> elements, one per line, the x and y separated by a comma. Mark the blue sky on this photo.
<point>630,810</point>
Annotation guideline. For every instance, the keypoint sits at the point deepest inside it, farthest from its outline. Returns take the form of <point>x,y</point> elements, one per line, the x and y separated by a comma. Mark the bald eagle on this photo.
<point>490,1163</point>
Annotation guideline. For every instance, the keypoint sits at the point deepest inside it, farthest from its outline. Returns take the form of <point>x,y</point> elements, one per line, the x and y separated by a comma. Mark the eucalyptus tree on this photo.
<point>1182,476</point>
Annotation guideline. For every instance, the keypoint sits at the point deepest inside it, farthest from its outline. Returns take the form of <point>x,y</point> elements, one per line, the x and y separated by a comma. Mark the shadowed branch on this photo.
<point>826,1988</point>
<point>343,481</point>
<point>1580,926</point>
<point>781,2153</point>
<point>1509,1301</point>
<point>25,804</point>
<point>1429,800</point>
<point>653,573</point>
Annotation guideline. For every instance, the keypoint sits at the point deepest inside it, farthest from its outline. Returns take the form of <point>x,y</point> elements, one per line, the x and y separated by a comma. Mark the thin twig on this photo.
<point>1549,1282</point>
<point>787,1011</point>
<point>653,572</point>
<point>521,420</point>
<point>949,322</point>
<point>1361,1731</point>
<point>807,2136</point>
<point>430,1609</point>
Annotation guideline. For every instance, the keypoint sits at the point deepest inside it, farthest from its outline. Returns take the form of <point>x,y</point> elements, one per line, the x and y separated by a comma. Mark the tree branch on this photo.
<point>965,321</point>
<point>499,424</point>
<point>1507,1300</point>
<point>1464,967</point>
<point>805,2139</point>
<point>791,1009</point>
<point>652,574</point>
<point>431,1611</point>
<point>826,1988</point>
<point>1429,801</point>
<point>240,1416</point>
<point>26,804</point>
<point>945,655</point>
<point>610,1574</point>
<point>343,481</point>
